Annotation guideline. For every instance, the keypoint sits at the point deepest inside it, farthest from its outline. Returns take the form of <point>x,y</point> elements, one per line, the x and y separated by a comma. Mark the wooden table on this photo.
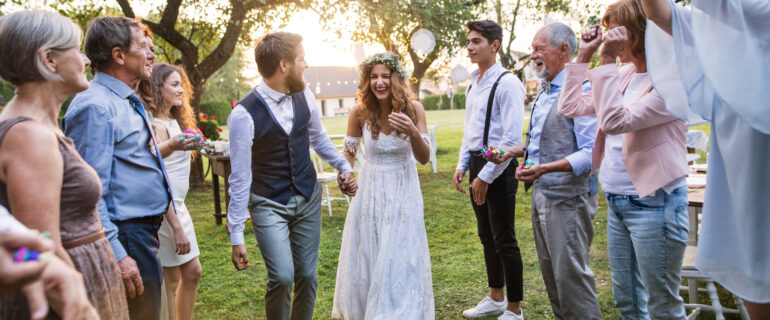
<point>695,198</point>
<point>220,167</point>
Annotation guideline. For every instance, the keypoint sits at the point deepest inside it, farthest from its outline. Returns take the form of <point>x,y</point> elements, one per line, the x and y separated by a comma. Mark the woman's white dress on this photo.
<point>384,264</point>
<point>717,65</point>
<point>178,170</point>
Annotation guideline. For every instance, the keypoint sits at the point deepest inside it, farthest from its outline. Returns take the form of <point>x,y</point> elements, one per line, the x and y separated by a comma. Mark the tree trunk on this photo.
<point>196,170</point>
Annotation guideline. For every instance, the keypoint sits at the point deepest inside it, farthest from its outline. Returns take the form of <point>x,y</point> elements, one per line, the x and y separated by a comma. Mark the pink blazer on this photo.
<point>653,139</point>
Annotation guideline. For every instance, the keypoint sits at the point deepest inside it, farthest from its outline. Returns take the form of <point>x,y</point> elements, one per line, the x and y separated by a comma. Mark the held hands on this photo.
<point>347,182</point>
<point>62,287</point>
<point>615,42</point>
<point>478,187</point>
<point>530,174</point>
<point>181,241</point>
<point>239,257</point>
<point>13,275</point>
<point>510,152</point>
<point>131,278</point>
<point>589,42</point>
<point>176,142</point>
<point>403,124</point>
<point>479,191</point>
<point>457,179</point>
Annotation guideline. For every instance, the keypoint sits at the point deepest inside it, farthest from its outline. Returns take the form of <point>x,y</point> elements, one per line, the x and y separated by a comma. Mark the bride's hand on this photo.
<point>403,124</point>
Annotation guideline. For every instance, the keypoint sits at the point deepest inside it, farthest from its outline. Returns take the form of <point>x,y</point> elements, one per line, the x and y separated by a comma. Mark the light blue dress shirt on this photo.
<point>112,137</point>
<point>585,128</point>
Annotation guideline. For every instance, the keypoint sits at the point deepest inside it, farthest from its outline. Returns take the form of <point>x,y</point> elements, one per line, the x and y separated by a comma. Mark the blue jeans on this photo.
<point>646,240</point>
<point>141,243</point>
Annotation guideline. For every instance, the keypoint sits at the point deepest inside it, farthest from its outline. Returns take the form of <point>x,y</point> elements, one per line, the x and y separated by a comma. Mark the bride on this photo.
<point>384,265</point>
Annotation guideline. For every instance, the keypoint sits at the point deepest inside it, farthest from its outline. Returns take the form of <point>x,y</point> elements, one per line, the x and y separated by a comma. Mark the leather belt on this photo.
<point>83,240</point>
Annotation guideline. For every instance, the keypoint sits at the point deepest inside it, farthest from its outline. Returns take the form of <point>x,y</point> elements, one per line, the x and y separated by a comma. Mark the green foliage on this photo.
<point>392,23</point>
<point>209,126</point>
<point>441,101</point>
<point>228,83</point>
<point>7,90</point>
<point>217,109</point>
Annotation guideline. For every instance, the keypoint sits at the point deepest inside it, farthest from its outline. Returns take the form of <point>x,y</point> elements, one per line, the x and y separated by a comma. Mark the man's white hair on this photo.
<point>559,33</point>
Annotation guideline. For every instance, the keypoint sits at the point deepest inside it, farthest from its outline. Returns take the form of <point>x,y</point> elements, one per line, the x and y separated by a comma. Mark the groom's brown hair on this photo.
<point>273,48</point>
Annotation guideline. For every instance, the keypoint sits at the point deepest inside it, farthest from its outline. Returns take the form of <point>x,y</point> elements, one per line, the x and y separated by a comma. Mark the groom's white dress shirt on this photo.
<point>241,128</point>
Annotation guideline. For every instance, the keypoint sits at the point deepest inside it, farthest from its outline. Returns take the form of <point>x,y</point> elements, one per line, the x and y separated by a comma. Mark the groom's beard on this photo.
<point>296,82</point>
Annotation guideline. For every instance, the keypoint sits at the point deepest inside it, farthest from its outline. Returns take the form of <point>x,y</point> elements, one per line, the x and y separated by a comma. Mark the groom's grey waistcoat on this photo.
<point>280,163</point>
<point>557,141</point>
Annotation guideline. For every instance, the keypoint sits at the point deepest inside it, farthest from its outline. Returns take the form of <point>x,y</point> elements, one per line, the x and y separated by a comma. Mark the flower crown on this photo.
<point>389,59</point>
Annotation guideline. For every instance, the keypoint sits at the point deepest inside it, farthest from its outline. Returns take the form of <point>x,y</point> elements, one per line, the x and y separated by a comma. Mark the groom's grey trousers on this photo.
<point>289,236</point>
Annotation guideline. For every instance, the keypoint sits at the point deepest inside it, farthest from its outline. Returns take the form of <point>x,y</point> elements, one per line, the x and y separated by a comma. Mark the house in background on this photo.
<point>335,88</point>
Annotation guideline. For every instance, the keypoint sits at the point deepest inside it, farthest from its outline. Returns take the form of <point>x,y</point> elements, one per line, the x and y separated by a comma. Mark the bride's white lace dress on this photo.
<point>384,265</point>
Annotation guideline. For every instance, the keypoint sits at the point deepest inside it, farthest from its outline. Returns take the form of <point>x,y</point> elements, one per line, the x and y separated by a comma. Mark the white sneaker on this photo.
<point>486,307</point>
<point>508,315</point>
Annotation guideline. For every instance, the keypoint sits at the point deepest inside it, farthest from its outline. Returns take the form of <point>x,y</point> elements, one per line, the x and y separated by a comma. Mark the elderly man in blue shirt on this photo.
<point>564,196</point>
<point>111,131</point>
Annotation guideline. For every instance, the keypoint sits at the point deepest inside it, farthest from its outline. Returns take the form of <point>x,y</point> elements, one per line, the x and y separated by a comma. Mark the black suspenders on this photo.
<point>490,101</point>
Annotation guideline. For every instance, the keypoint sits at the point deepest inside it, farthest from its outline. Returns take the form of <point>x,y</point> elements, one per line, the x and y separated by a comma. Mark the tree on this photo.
<point>228,83</point>
<point>205,43</point>
<point>507,13</point>
<point>392,24</point>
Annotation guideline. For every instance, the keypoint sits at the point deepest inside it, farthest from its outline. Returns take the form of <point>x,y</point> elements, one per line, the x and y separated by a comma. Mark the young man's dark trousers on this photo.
<point>496,220</point>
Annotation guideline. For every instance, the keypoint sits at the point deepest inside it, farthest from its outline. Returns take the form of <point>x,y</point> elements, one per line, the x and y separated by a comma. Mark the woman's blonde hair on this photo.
<point>24,34</point>
<point>400,94</point>
<point>630,14</point>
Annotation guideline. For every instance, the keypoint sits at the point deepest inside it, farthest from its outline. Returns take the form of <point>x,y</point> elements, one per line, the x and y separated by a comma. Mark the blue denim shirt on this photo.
<point>585,128</point>
<point>112,137</point>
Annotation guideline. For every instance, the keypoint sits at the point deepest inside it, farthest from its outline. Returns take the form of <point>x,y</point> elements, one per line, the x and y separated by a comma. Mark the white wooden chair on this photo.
<point>433,148</point>
<point>692,275</point>
<point>324,178</point>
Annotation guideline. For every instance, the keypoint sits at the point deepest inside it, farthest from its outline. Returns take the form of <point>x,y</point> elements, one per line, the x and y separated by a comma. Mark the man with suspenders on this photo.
<point>493,117</point>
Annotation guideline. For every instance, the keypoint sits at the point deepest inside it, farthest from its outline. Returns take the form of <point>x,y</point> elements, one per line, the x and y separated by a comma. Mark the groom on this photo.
<point>271,132</point>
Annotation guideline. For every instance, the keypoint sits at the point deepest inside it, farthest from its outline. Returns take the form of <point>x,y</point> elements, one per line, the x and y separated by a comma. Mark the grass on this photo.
<point>459,278</point>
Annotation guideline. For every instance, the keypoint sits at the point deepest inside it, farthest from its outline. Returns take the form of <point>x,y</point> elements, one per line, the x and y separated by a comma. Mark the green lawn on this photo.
<point>459,278</point>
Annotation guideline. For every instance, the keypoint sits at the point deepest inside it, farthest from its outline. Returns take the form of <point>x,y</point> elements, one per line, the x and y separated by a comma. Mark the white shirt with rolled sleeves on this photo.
<point>241,135</point>
<point>505,127</point>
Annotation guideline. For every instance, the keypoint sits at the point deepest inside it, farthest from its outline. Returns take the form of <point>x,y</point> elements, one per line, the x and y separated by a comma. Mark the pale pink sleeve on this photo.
<point>573,102</point>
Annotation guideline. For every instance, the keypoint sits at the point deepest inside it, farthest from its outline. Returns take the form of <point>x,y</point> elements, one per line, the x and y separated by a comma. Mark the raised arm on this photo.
<point>659,11</point>
<point>414,129</point>
<point>613,118</point>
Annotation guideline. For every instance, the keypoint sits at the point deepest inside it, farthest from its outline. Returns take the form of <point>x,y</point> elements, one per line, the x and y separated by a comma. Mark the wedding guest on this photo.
<point>178,250</point>
<point>45,281</point>
<point>564,193</point>
<point>493,116</point>
<point>113,134</point>
<point>712,59</point>
<point>647,200</point>
<point>44,182</point>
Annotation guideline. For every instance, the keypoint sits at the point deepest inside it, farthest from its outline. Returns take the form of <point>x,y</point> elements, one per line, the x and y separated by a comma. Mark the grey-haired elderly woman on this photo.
<point>43,180</point>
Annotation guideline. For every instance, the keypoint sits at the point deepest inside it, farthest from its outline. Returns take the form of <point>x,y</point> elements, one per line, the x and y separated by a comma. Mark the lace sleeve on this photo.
<point>351,144</point>
<point>426,137</point>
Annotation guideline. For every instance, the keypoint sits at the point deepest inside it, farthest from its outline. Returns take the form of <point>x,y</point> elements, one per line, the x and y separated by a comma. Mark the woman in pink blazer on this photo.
<point>640,149</point>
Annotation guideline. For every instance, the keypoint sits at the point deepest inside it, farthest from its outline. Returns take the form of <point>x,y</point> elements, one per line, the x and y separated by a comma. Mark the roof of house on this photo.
<point>329,81</point>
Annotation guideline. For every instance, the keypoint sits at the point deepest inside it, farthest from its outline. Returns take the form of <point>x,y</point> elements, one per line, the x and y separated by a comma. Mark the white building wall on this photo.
<point>333,106</point>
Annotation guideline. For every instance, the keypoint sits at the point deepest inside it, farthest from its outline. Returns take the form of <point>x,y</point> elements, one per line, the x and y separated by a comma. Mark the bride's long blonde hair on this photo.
<point>400,94</point>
